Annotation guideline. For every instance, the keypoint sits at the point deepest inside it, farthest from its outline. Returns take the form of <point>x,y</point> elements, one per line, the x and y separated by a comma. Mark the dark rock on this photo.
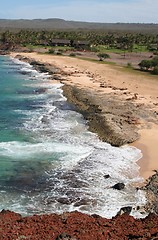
<point>35,63</point>
<point>125,210</point>
<point>24,72</point>
<point>65,236</point>
<point>40,90</point>
<point>4,211</point>
<point>119,186</point>
<point>96,216</point>
<point>44,119</point>
<point>81,202</point>
<point>55,77</point>
<point>151,189</point>
<point>106,176</point>
<point>64,200</point>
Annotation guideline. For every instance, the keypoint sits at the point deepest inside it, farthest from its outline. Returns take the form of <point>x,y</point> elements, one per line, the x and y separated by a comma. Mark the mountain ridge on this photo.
<point>61,24</point>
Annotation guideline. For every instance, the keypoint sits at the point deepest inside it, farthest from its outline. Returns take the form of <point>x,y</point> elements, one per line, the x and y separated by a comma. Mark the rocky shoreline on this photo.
<point>115,120</point>
<point>77,226</point>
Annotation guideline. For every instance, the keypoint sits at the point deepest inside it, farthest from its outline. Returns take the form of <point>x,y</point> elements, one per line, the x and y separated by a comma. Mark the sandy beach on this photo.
<point>104,81</point>
<point>148,145</point>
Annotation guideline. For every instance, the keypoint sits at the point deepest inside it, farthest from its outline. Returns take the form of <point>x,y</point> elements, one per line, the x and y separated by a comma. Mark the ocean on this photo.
<point>49,160</point>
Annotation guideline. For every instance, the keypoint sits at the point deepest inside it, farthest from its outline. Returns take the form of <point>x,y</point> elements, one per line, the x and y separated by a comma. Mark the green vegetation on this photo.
<point>140,48</point>
<point>94,60</point>
<point>74,43</point>
<point>59,53</point>
<point>129,65</point>
<point>72,55</point>
<point>155,70</point>
<point>51,51</point>
<point>103,56</point>
<point>100,41</point>
<point>106,48</point>
<point>62,48</point>
<point>150,65</point>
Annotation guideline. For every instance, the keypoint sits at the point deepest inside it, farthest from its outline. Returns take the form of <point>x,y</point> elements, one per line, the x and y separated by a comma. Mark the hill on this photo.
<point>60,24</point>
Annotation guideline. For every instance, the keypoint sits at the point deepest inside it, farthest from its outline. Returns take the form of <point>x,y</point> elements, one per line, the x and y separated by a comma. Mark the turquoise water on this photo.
<point>49,161</point>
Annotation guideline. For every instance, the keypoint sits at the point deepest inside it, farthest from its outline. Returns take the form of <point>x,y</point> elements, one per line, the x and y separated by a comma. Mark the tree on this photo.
<point>126,43</point>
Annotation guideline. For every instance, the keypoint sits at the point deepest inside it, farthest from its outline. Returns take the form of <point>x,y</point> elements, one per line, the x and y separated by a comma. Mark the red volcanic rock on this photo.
<point>76,226</point>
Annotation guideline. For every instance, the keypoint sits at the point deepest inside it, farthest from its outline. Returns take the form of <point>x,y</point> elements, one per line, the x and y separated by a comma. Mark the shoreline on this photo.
<point>131,117</point>
<point>147,143</point>
<point>116,113</point>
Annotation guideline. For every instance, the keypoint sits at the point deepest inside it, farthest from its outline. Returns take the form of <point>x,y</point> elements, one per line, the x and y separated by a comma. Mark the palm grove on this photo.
<point>126,42</point>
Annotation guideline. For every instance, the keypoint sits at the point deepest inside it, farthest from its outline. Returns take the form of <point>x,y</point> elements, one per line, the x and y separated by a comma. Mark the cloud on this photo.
<point>144,11</point>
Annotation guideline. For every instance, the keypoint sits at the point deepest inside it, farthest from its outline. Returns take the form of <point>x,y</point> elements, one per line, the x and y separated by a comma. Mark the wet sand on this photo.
<point>102,79</point>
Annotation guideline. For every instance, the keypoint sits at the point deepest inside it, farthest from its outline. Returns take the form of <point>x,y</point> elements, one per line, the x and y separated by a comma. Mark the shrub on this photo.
<point>72,55</point>
<point>155,71</point>
<point>59,53</point>
<point>145,64</point>
<point>51,51</point>
<point>103,56</point>
<point>150,64</point>
<point>93,49</point>
<point>155,61</point>
<point>129,65</point>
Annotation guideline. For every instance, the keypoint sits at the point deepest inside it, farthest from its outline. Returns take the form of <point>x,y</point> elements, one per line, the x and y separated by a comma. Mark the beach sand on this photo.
<point>148,144</point>
<point>138,88</point>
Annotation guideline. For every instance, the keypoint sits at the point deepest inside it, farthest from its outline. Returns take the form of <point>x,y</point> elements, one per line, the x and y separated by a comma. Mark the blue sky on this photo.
<point>142,11</point>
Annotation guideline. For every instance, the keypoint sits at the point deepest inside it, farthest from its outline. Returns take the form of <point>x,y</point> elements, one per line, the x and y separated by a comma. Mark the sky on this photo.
<point>106,11</point>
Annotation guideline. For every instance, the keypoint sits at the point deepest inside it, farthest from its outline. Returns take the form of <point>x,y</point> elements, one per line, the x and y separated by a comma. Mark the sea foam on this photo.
<point>61,165</point>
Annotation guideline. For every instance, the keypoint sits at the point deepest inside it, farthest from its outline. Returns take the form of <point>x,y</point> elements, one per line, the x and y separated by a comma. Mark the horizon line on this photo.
<point>32,19</point>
